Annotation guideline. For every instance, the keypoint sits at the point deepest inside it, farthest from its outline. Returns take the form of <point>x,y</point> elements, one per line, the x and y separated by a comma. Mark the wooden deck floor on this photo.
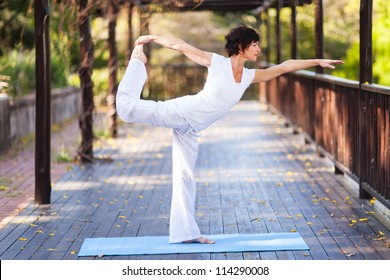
<point>254,176</point>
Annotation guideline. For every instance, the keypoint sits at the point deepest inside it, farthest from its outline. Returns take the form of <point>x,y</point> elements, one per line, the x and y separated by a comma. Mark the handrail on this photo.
<point>348,121</point>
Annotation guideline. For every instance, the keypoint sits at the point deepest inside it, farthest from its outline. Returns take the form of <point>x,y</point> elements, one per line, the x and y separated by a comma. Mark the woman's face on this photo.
<point>252,52</point>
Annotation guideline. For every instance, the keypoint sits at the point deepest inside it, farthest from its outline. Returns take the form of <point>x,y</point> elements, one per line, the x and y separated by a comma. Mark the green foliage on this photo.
<point>63,156</point>
<point>16,25</point>
<point>381,48</point>
<point>20,67</point>
<point>381,43</point>
<point>350,68</point>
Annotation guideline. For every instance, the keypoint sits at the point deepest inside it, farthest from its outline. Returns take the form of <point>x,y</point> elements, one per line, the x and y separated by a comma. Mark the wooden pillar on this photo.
<point>268,26</point>
<point>365,76</point>
<point>144,28</point>
<point>278,33</point>
<point>85,151</point>
<point>43,102</point>
<point>319,32</point>
<point>293,30</point>
<point>113,10</point>
<point>365,41</point>
<point>130,40</point>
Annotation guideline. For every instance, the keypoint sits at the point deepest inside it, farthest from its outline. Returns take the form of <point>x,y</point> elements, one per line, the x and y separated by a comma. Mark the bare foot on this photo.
<point>200,240</point>
<point>138,53</point>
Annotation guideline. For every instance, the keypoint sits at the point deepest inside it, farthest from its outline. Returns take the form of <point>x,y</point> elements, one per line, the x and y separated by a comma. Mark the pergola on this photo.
<point>217,5</point>
<point>256,7</point>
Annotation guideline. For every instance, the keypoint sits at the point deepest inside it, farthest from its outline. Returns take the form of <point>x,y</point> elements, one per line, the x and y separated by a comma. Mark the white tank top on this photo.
<point>219,94</point>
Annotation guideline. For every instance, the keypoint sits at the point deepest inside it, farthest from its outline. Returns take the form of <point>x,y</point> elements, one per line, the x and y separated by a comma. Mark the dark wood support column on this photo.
<point>278,33</point>
<point>365,41</point>
<point>293,30</point>
<point>319,32</point>
<point>43,102</point>
<point>268,27</point>
<point>365,76</point>
<point>130,39</point>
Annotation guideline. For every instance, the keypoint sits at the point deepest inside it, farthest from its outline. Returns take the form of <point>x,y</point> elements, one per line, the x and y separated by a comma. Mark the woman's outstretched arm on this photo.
<point>263,75</point>
<point>195,54</point>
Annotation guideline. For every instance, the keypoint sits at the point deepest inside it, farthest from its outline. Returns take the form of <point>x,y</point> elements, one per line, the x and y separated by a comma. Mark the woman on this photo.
<point>226,82</point>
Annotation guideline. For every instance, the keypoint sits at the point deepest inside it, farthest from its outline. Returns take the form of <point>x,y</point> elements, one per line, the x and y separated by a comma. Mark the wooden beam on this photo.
<point>43,102</point>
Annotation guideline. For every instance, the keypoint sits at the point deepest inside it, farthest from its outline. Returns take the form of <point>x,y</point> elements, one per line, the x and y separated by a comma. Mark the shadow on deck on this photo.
<point>254,176</point>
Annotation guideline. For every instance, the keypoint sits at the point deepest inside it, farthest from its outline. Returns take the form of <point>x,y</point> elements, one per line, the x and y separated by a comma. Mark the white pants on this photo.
<point>131,108</point>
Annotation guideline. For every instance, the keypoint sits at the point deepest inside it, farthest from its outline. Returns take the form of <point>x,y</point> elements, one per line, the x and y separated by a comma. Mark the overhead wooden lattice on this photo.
<point>216,5</point>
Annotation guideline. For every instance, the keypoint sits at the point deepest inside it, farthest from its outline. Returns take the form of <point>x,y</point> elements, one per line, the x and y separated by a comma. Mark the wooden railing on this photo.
<point>349,122</point>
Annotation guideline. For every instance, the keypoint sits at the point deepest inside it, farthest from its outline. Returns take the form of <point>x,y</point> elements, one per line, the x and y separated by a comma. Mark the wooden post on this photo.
<point>365,76</point>
<point>144,28</point>
<point>268,26</point>
<point>293,30</point>
<point>130,40</point>
<point>278,33</point>
<point>365,41</point>
<point>43,102</point>
<point>113,10</point>
<point>85,151</point>
<point>319,32</point>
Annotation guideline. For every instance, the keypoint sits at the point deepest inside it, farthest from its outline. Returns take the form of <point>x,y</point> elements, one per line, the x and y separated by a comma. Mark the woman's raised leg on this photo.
<point>131,108</point>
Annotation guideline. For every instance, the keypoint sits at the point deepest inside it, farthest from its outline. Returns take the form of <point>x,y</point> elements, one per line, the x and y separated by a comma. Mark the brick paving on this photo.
<point>17,165</point>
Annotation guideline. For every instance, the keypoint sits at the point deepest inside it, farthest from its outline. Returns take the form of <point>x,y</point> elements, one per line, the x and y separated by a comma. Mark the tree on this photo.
<point>85,150</point>
<point>113,9</point>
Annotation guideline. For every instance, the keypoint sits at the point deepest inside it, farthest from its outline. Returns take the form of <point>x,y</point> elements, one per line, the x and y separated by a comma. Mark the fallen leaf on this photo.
<point>363,219</point>
<point>74,252</point>
<point>379,238</point>
<point>23,239</point>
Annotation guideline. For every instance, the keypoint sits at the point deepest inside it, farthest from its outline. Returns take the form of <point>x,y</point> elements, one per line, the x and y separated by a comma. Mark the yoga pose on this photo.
<point>226,82</point>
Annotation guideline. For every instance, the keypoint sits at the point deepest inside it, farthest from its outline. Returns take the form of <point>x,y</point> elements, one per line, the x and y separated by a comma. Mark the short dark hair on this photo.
<point>240,38</point>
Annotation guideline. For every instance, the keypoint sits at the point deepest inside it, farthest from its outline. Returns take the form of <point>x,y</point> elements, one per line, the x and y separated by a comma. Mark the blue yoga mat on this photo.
<point>151,245</point>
